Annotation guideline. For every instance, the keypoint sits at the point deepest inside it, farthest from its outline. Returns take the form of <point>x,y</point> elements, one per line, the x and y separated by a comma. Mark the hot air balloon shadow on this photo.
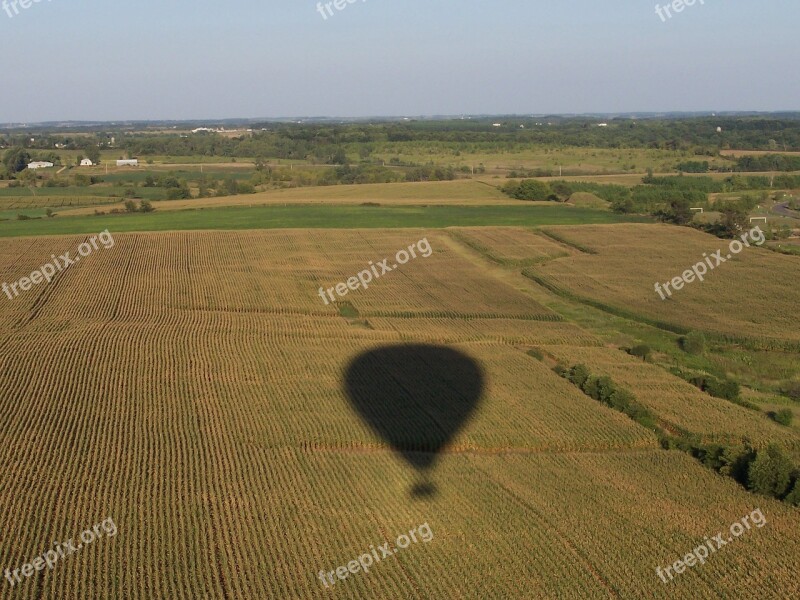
<point>417,398</point>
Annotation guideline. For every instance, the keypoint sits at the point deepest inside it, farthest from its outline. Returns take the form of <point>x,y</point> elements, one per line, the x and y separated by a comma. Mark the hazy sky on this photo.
<point>181,59</point>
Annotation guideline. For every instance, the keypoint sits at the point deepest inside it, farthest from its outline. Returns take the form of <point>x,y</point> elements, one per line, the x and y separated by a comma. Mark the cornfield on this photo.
<point>189,385</point>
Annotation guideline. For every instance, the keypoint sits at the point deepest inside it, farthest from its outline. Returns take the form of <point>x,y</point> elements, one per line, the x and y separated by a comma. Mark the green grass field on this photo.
<point>318,217</point>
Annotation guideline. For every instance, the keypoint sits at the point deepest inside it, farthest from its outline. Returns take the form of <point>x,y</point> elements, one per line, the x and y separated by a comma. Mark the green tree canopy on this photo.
<point>771,472</point>
<point>16,159</point>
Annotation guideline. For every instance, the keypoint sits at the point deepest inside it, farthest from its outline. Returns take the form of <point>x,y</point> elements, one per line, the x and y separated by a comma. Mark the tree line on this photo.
<point>767,471</point>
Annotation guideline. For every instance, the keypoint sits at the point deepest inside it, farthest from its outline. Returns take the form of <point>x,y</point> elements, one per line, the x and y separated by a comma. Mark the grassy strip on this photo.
<point>754,343</point>
<point>503,262</point>
<point>619,312</point>
<point>563,240</point>
<point>318,217</point>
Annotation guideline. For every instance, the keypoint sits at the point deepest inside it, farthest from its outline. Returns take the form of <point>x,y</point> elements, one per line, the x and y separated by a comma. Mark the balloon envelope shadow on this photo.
<point>417,397</point>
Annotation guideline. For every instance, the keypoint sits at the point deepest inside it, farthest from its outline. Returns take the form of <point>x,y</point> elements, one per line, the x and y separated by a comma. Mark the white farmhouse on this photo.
<point>132,162</point>
<point>87,162</point>
<point>39,164</point>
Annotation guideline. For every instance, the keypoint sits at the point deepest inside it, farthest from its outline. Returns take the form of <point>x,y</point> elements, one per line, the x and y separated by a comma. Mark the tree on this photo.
<point>679,211</point>
<point>591,388</point>
<point>130,206</point>
<point>621,400</point>
<point>145,206</point>
<point>16,159</point>
<point>770,473</point>
<point>231,187</point>
<point>578,375</point>
<point>794,496</point>
<point>530,189</point>
<point>737,461</point>
<point>623,205</point>
<point>28,177</point>
<point>733,220</point>
<point>642,351</point>
<point>606,389</point>
<point>93,153</point>
<point>712,456</point>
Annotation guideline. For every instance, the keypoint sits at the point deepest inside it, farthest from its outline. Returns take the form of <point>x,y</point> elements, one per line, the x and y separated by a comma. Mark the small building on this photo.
<point>131,162</point>
<point>87,162</point>
<point>39,164</point>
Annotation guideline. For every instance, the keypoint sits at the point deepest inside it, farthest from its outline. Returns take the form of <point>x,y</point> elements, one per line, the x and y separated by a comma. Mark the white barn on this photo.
<point>39,164</point>
<point>87,162</point>
<point>132,162</point>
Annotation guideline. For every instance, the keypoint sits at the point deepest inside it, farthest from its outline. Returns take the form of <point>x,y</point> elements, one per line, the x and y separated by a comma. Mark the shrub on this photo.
<point>642,351</point>
<point>694,343</point>
<point>641,415</point>
<point>784,417</point>
<point>727,389</point>
<point>536,353</point>
<point>179,193</point>
<point>529,189</point>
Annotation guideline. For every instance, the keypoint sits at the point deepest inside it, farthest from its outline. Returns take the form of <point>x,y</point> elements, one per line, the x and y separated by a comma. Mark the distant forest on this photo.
<point>332,143</point>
